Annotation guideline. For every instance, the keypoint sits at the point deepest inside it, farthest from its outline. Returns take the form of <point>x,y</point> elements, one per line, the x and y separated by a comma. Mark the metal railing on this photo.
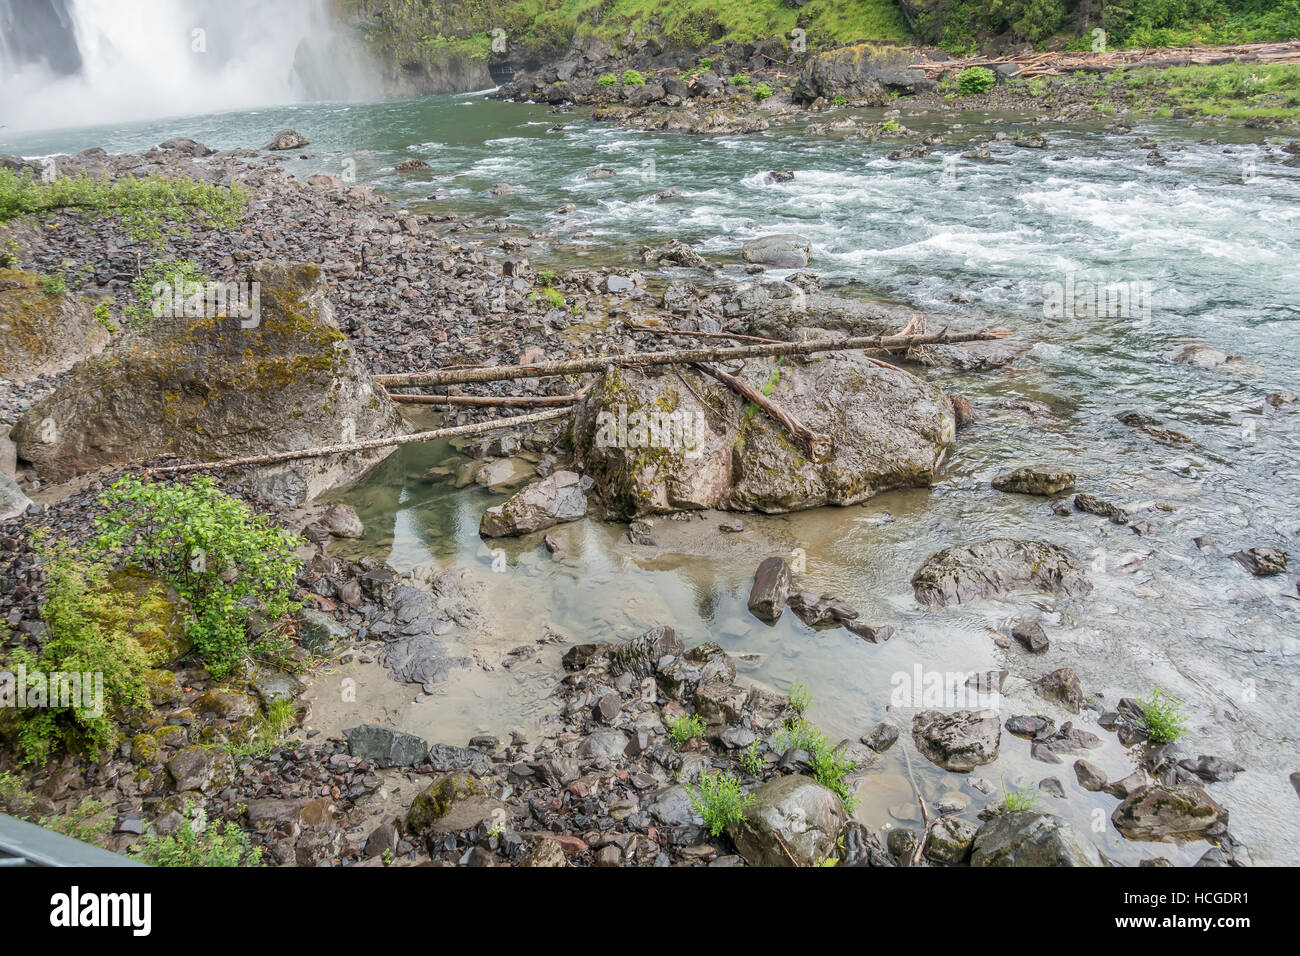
<point>25,844</point>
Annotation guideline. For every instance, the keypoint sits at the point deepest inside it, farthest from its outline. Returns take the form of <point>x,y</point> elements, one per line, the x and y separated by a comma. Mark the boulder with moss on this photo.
<point>44,331</point>
<point>452,802</point>
<point>282,379</point>
<point>679,440</point>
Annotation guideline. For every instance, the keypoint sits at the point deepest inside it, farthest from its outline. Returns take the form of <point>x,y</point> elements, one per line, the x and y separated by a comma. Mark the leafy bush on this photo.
<point>740,80</point>
<point>90,632</point>
<point>1162,717</point>
<point>751,760</point>
<point>198,843</point>
<point>173,273</point>
<point>55,284</point>
<point>224,558</point>
<point>828,765</point>
<point>1015,800</point>
<point>975,79</point>
<point>762,91</point>
<point>607,79</point>
<point>800,698</point>
<point>718,800</point>
<point>684,728</point>
<point>633,78</point>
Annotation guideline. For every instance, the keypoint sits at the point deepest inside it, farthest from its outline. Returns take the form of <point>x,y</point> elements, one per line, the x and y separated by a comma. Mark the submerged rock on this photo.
<point>652,444</point>
<point>1030,838</point>
<point>997,567</point>
<point>1035,480</point>
<point>791,821</point>
<point>959,741</point>
<point>216,388</point>
<point>1262,562</point>
<point>779,252</point>
<point>559,497</point>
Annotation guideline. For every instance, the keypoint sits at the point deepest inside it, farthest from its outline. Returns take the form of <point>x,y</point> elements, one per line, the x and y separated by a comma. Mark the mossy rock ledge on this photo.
<point>224,387</point>
<point>713,449</point>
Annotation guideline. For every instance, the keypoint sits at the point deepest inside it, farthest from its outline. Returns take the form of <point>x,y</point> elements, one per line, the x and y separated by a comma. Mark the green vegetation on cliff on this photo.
<point>539,29</point>
<point>962,25</point>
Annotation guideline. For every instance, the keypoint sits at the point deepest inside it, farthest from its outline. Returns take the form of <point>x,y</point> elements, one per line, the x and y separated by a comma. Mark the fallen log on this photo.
<point>454,431</point>
<point>599,363</point>
<point>813,444</point>
<point>488,401</point>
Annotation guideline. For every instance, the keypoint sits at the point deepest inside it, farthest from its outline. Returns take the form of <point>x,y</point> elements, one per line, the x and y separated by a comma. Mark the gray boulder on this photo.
<point>789,817</point>
<point>1035,480</point>
<point>997,567</point>
<point>12,500</point>
<point>960,741</point>
<point>1030,838</point>
<point>771,589</point>
<point>779,252</point>
<point>385,747</point>
<point>555,499</point>
<point>287,139</point>
<point>226,387</point>
<point>1181,811</point>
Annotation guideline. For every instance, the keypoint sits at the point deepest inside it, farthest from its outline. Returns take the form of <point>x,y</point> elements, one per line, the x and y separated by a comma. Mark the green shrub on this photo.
<point>1016,799</point>
<point>55,284</point>
<point>633,78</point>
<point>740,80</point>
<point>91,631</point>
<point>828,765</point>
<point>975,79</point>
<point>839,99</point>
<point>762,91</point>
<point>607,79</point>
<point>1162,717</point>
<point>751,760</point>
<point>800,698</point>
<point>718,800</point>
<point>199,843</point>
<point>685,728</point>
<point>224,558</point>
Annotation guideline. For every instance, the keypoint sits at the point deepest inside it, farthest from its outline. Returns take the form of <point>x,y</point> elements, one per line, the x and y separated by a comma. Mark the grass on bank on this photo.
<point>1235,90</point>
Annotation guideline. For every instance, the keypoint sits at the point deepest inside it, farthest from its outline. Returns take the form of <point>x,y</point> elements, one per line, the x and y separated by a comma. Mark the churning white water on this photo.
<point>84,62</point>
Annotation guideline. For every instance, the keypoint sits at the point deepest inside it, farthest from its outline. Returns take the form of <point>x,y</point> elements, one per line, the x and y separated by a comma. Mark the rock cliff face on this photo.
<point>211,388</point>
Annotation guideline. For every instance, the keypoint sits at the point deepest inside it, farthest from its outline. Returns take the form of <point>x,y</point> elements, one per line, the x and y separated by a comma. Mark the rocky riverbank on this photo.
<point>633,724</point>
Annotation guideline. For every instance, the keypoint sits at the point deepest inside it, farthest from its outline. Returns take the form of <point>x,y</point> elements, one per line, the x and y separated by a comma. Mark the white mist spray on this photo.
<point>142,59</point>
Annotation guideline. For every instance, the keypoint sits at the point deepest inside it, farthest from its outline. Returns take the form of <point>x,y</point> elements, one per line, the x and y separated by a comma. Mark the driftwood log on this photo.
<point>599,363</point>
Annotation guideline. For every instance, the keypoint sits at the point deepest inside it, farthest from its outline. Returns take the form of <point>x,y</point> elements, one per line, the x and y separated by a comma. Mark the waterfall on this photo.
<point>85,62</point>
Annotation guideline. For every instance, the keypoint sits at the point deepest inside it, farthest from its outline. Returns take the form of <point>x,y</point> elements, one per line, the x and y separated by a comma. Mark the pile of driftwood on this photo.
<point>560,406</point>
<point>1059,63</point>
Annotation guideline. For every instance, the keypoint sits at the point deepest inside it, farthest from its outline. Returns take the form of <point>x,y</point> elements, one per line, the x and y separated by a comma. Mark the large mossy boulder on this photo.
<point>158,615</point>
<point>43,332</point>
<point>223,387</point>
<point>657,443</point>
